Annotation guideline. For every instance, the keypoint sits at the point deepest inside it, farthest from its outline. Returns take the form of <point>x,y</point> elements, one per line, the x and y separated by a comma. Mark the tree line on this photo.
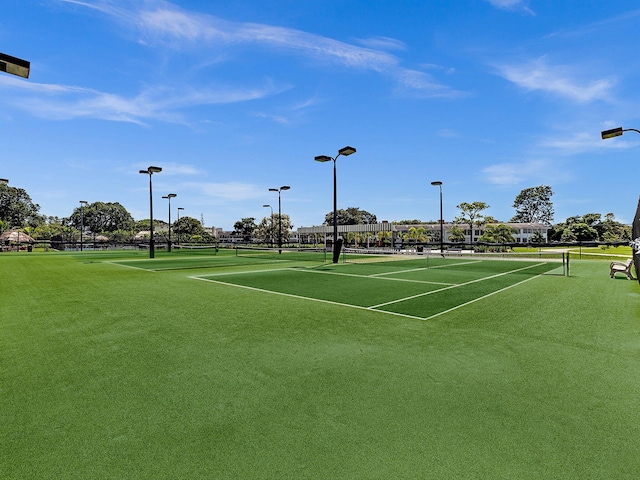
<point>109,219</point>
<point>532,205</point>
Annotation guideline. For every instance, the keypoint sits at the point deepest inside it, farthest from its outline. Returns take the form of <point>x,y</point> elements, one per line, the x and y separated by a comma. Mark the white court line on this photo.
<point>115,262</point>
<point>290,295</point>
<point>373,277</point>
<point>454,286</point>
<point>424,268</point>
<point>482,298</point>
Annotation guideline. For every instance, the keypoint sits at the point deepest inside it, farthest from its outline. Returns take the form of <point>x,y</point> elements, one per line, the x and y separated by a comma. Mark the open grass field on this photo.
<point>113,365</point>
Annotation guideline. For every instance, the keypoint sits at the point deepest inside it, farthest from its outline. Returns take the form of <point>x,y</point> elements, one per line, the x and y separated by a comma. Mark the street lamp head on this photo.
<point>614,132</point>
<point>346,151</point>
<point>323,158</point>
<point>14,66</point>
<point>266,206</point>
<point>172,195</point>
<point>180,208</point>
<point>436,183</point>
<point>273,189</point>
<point>154,169</point>
<point>285,187</point>
<point>144,171</point>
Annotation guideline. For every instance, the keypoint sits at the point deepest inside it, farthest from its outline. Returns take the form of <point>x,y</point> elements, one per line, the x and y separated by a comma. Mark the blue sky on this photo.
<point>233,98</point>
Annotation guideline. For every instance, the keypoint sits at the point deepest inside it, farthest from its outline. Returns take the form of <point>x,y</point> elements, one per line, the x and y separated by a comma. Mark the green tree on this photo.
<point>17,209</point>
<point>101,217</point>
<point>188,226</point>
<point>583,231</point>
<point>383,237</point>
<point>610,230</point>
<point>266,230</point>
<point>470,215</point>
<point>533,205</point>
<point>409,222</point>
<point>417,234</point>
<point>537,237</point>
<point>497,233</point>
<point>456,234</point>
<point>350,216</point>
<point>245,227</point>
<point>286,227</point>
<point>607,230</point>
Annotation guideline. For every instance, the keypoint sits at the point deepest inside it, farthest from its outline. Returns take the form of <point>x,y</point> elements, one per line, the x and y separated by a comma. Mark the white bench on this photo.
<point>622,267</point>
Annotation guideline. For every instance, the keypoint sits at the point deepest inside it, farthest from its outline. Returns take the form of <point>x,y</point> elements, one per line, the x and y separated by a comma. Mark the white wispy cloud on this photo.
<point>557,79</point>
<point>231,191</point>
<point>522,5</point>
<point>531,171</point>
<point>163,23</point>
<point>64,102</point>
<point>382,43</point>
<point>577,142</point>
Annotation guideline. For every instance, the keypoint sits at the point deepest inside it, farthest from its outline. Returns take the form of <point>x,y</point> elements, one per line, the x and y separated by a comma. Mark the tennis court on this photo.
<point>127,367</point>
<point>419,287</point>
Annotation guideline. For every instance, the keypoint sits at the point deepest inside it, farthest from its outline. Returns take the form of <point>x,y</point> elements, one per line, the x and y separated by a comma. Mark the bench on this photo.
<point>622,267</point>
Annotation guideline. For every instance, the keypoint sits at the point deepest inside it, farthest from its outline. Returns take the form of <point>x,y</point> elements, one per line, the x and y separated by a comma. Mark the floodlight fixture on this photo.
<point>346,151</point>
<point>14,66</point>
<point>616,132</point>
<point>323,158</point>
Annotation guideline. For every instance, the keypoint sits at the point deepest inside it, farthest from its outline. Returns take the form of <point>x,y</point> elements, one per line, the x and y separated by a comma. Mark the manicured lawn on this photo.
<point>108,371</point>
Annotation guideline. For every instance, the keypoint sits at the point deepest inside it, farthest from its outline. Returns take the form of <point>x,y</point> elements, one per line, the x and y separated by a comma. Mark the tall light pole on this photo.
<point>284,187</point>
<point>150,171</point>
<point>82,204</point>
<point>325,158</point>
<point>170,196</point>
<point>439,184</point>
<point>269,206</point>
<point>179,208</point>
<point>635,227</point>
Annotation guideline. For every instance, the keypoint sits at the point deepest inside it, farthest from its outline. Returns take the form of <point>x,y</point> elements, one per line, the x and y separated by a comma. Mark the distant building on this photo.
<point>522,232</point>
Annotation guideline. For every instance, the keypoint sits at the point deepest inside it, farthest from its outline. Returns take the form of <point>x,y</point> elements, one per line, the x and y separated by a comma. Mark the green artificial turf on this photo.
<point>115,372</point>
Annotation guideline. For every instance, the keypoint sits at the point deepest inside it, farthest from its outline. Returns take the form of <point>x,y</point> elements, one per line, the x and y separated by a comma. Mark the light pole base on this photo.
<point>337,248</point>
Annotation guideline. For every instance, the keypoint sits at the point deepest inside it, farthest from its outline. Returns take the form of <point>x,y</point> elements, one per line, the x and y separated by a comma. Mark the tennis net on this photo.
<point>548,261</point>
<point>283,254</point>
